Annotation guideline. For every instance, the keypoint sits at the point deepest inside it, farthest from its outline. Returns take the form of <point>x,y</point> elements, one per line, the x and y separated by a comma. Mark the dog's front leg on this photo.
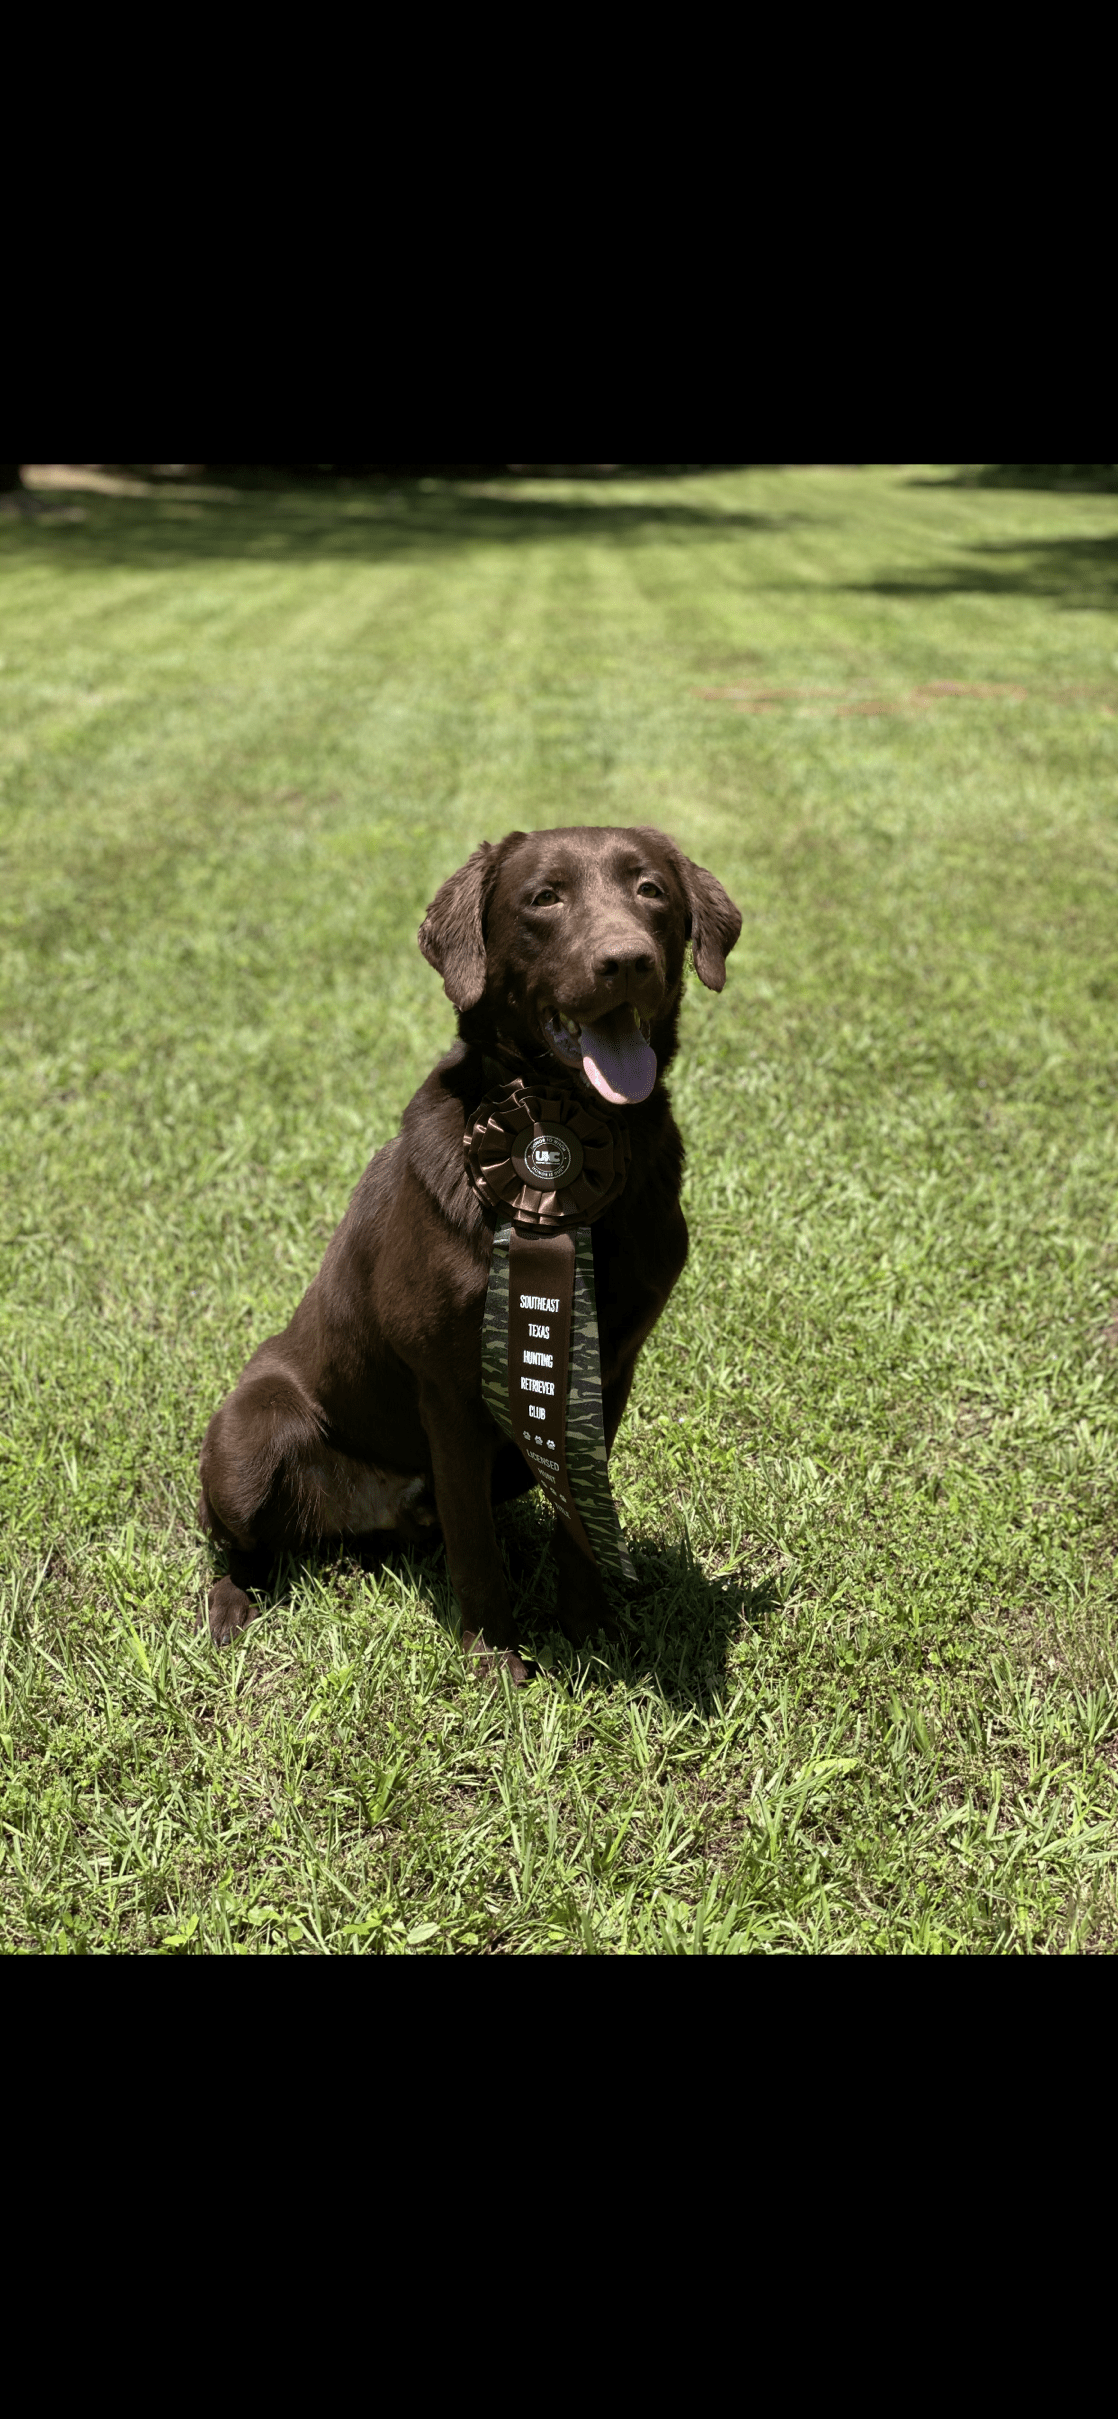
<point>583,1603</point>
<point>464,1443</point>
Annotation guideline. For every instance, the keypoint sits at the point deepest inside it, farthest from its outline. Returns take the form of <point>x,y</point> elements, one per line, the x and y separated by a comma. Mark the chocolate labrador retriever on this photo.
<point>366,1414</point>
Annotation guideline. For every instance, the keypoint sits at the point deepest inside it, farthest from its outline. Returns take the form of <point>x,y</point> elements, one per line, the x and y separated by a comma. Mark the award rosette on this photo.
<point>548,1166</point>
<point>540,1154</point>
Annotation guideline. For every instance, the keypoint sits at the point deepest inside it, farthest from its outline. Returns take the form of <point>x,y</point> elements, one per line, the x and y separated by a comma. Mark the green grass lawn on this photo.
<point>870,1472</point>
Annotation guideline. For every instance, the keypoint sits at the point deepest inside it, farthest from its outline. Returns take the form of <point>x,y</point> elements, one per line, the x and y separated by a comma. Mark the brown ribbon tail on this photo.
<point>541,1300</point>
<point>537,1330</point>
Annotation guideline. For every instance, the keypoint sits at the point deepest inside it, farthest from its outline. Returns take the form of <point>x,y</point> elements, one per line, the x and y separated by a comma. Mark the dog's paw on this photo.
<point>489,1660</point>
<point>584,1609</point>
<point>582,1629</point>
<point>230,1610</point>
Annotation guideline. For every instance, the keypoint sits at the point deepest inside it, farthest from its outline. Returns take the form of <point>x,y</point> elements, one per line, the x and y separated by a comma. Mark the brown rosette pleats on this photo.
<point>538,1152</point>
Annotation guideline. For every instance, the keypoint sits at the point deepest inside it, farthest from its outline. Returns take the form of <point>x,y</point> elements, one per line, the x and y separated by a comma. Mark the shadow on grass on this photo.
<point>676,1625</point>
<point>1039,478</point>
<point>418,518</point>
<point>1079,573</point>
<point>425,519</point>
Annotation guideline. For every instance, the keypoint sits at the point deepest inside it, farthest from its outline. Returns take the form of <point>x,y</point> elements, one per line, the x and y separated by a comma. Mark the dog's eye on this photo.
<point>649,890</point>
<point>545,898</point>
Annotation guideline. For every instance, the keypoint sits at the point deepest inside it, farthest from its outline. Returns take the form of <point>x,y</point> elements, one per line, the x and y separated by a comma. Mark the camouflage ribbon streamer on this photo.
<point>574,1473</point>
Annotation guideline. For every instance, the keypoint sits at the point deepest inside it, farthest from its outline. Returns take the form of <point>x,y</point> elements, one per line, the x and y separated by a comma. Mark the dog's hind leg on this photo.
<point>257,1496</point>
<point>270,1482</point>
<point>231,1604</point>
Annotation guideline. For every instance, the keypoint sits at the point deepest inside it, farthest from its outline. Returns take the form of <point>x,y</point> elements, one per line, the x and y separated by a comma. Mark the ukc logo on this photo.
<point>548,1159</point>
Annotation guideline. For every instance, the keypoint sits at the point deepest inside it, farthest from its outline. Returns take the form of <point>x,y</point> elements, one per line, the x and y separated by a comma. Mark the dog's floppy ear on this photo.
<point>713,921</point>
<point>452,934</point>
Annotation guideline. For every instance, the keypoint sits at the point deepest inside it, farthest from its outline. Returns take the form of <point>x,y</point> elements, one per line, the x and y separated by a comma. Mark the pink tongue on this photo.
<point>619,1062</point>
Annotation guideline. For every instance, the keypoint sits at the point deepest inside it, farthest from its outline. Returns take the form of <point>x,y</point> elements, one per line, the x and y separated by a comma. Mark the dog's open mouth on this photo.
<point>614,1054</point>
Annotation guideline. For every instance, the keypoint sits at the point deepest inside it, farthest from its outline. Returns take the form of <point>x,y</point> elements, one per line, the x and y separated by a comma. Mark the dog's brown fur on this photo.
<point>366,1413</point>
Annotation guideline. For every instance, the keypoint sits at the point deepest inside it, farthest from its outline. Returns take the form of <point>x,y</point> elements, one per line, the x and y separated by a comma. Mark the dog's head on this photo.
<point>574,941</point>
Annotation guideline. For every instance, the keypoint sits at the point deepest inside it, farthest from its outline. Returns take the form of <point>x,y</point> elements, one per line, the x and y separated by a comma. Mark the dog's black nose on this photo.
<point>623,961</point>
